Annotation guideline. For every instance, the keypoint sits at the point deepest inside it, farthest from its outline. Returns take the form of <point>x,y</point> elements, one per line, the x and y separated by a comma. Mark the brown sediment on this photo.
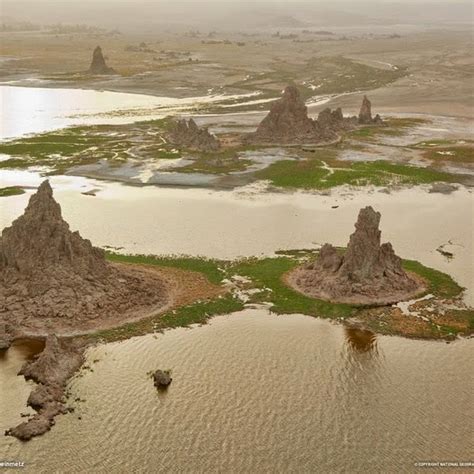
<point>368,273</point>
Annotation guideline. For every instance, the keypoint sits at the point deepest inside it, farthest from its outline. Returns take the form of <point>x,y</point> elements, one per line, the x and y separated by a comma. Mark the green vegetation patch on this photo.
<point>267,275</point>
<point>393,127</point>
<point>440,284</point>
<point>319,174</point>
<point>200,312</point>
<point>213,269</point>
<point>11,191</point>
<point>455,154</point>
<point>83,145</point>
<point>196,313</point>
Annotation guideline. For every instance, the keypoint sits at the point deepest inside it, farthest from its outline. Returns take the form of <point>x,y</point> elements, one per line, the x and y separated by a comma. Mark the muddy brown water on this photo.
<point>255,392</point>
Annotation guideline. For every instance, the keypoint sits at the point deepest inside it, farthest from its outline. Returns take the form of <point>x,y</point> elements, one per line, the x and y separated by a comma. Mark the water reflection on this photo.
<point>360,340</point>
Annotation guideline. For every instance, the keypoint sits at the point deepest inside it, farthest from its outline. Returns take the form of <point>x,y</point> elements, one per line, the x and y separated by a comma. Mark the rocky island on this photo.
<point>52,279</point>
<point>288,122</point>
<point>368,273</point>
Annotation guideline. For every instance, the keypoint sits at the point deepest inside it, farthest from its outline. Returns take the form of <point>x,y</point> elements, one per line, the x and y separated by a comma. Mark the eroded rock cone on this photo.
<point>53,279</point>
<point>98,64</point>
<point>288,122</point>
<point>367,273</point>
<point>41,239</point>
<point>186,133</point>
<point>365,114</point>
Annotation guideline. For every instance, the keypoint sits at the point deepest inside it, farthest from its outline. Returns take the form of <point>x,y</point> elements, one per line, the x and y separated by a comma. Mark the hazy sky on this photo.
<point>133,14</point>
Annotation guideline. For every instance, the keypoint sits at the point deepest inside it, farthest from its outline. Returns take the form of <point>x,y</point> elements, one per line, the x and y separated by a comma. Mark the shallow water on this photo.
<point>254,392</point>
<point>28,110</point>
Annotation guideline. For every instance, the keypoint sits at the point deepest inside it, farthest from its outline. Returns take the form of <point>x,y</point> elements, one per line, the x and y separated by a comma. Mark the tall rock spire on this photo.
<point>40,239</point>
<point>367,273</point>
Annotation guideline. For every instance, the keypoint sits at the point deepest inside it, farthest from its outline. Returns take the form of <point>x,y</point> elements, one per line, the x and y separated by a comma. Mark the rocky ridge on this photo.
<point>367,273</point>
<point>51,370</point>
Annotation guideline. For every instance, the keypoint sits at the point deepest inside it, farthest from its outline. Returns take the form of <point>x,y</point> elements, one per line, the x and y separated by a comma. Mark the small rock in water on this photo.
<point>162,378</point>
<point>442,188</point>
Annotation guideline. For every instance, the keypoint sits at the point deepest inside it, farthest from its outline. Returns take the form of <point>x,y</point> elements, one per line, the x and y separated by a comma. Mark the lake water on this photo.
<point>28,110</point>
<point>252,392</point>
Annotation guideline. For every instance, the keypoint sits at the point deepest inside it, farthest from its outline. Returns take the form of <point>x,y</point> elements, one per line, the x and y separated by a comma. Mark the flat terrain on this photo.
<point>429,71</point>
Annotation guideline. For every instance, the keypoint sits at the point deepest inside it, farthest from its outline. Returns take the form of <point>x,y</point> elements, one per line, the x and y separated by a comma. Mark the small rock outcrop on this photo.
<point>51,370</point>
<point>332,121</point>
<point>442,188</point>
<point>365,114</point>
<point>162,378</point>
<point>367,273</point>
<point>53,280</point>
<point>98,64</point>
<point>186,133</point>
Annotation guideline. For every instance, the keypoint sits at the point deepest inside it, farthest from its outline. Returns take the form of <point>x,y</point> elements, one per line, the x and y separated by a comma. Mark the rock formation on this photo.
<point>332,121</point>
<point>41,239</point>
<point>98,65</point>
<point>51,279</point>
<point>288,122</point>
<point>367,273</point>
<point>187,134</point>
<point>162,378</point>
<point>5,336</point>
<point>51,370</point>
<point>365,114</point>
